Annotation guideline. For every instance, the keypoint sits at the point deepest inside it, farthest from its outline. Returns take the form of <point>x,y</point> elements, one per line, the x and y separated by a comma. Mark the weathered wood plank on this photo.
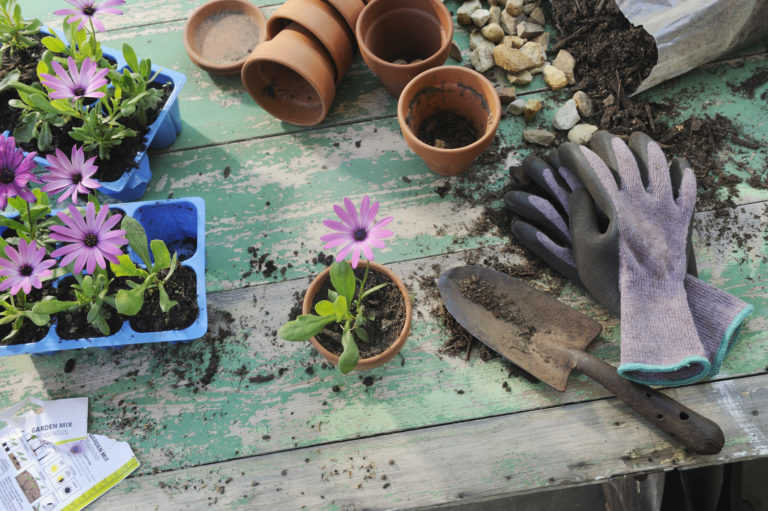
<point>240,391</point>
<point>468,462</point>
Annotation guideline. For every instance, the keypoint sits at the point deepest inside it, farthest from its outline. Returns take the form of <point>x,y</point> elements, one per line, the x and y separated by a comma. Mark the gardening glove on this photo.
<point>716,314</point>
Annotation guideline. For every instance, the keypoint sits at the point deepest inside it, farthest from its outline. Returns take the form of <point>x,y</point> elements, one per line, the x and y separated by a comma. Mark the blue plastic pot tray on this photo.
<point>162,133</point>
<point>174,221</point>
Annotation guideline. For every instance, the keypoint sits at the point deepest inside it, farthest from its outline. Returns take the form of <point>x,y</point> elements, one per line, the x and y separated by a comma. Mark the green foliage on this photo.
<point>79,44</point>
<point>16,33</point>
<point>341,307</point>
<point>99,133</point>
<point>33,222</point>
<point>16,311</point>
<point>38,116</point>
<point>133,83</point>
<point>156,274</point>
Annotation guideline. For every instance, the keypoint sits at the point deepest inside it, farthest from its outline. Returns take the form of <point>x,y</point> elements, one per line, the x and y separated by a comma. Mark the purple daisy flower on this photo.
<point>72,176</point>
<point>86,10</point>
<point>15,172</point>
<point>360,232</point>
<point>89,240</point>
<point>25,268</point>
<point>75,83</point>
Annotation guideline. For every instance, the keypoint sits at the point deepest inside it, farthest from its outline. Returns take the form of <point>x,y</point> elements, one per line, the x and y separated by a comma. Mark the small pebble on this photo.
<point>581,133</point>
<point>464,12</point>
<point>528,29</point>
<point>495,13</point>
<point>539,137</point>
<point>567,116</point>
<point>508,23</point>
<point>511,59</point>
<point>514,7</point>
<point>537,16</point>
<point>493,32</point>
<point>517,107</point>
<point>455,52</point>
<point>565,63</point>
<point>554,77</point>
<point>513,41</point>
<point>532,107</point>
<point>522,78</point>
<point>506,94</point>
<point>534,51</point>
<point>584,104</point>
<point>480,17</point>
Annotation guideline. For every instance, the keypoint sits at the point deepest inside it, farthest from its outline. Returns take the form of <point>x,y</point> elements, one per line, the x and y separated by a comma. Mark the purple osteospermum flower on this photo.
<point>360,232</point>
<point>75,83</point>
<point>72,176</point>
<point>87,9</point>
<point>24,268</point>
<point>89,240</point>
<point>15,172</point>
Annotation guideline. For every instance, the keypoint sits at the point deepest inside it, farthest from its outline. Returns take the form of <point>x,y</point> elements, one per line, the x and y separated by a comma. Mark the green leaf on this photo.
<point>161,255</point>
<point>54,44</point>
<point>37,318</point>
<point>350,355</point>
<point>25,127</point>
<point>53,306</point>
<point>12,224</point>
<point>44,138</point>
<point>166,303</point>
<point>304,327</point>
<point>87,286</point>
<point>343,279</point>
<point>8,79</point>
<point>324,308</point>
<point>101,323</point>
<point>130,58</point>
<point>129,302</point>
<point>126,267</point>
<point>332,295</point>
<point>340,308</point>
<point>137,238</point>
<point>373,290</point>
<point>361,333</point>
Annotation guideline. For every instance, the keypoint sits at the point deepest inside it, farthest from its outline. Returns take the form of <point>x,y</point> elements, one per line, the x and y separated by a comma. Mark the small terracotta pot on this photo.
<point>388,30</point>
<point>350,10</point>
<point>220,34</point>
<point>291,77</point>
<point>386,355</point>
<point>455,89</point>
<point>322,21</point>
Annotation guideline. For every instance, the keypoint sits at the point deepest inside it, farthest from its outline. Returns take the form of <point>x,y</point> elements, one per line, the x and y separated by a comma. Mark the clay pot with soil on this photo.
<point>220,34</point>
<point>321,20</point>
<point>399,39</point>
<point>388,330</point>
<point>291,77</point>
<point>448,116</point>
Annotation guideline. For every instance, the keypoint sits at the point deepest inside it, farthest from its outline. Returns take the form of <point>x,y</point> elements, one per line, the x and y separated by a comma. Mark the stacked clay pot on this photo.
<point>310,46</point>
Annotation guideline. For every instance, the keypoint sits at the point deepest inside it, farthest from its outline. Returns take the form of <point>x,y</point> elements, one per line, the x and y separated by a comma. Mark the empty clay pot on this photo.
<point>416,31</point>
<point>454,89</point>
<point>386,355</point>
<point>291,77</point>
<point>219,35</point>
<point>322,21</point>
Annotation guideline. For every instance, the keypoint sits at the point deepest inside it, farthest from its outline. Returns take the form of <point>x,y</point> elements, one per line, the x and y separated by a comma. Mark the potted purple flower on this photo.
<point>73,267</point>
<point>357,314</point>
<point>78,93</point>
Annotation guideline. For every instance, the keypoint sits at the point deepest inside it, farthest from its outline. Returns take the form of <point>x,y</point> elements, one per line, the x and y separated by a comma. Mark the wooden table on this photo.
<point>243,420</point>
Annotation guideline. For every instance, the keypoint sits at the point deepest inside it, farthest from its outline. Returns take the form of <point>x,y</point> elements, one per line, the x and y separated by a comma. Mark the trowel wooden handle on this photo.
<point>695,431</point>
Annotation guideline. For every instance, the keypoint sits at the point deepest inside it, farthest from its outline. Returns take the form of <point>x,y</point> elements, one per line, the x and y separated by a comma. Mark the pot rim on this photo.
<point>393,349</point>
<point>243,6</point>
<point>429,60</point>
<point>494,104</point>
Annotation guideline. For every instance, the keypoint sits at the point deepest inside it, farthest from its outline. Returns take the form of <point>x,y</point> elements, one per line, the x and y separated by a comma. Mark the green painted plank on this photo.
<point>135,12</point>
<point>195,403</point>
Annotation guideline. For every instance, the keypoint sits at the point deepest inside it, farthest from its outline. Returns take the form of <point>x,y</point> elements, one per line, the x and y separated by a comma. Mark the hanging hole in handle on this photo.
<point>659,416</point>
<point>648,395</point>
<point>683,416</point>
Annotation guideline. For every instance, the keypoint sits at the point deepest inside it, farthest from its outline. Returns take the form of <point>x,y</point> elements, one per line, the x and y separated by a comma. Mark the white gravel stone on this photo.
<point>539,137</point>
<point>464,12</point>
<point>567,116</point>
<point>554,77</point>
<point>517,107</point>
<point>480,17</point>
<point>581,133</point>
<point>493,32</point>
<point>584,104</point>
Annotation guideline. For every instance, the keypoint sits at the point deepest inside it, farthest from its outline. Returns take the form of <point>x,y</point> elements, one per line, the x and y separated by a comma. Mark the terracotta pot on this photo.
<point>291,77</point>
<point>388,30</point>
<point>220,34</point>
<point>322,20</point>
<point>455,89</point>
<point>349,10</point>
<point>386,355</point>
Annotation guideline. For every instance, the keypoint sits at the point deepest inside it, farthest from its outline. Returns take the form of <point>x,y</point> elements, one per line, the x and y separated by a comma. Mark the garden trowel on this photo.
<point>548,339</point>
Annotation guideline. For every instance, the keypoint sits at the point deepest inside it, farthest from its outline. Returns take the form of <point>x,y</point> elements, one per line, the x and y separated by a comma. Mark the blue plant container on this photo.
<point>172,221</point>
<point>162,133</point>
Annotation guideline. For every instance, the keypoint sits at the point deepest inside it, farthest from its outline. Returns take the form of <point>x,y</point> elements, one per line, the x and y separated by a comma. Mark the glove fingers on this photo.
<point>540,212</point>
<point>557,257</point>
<point>619,158</point>
<point>542,174</point>
<point>652,164</point>
<point>593,173</point>
<point>676,173</point>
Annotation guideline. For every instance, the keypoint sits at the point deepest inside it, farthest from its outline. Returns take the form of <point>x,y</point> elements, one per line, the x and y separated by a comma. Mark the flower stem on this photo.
<point>362,285</point>
<point>30,224</point>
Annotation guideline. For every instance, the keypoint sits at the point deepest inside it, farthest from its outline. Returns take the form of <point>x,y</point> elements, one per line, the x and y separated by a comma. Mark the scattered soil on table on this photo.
<point>74,324</point>
<point>181,287</point>
<point>262,263</point>
<point>751,84</point>
<point>447,130</point>
<point>386,304</point>
<point>25,62</point>
<point>29,331</point>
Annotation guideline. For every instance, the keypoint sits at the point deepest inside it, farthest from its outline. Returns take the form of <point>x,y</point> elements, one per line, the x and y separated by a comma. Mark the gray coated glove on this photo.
<point>717,315</point>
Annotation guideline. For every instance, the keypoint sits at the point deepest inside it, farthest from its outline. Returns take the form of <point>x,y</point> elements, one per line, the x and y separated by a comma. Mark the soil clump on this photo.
<point>447,130</point>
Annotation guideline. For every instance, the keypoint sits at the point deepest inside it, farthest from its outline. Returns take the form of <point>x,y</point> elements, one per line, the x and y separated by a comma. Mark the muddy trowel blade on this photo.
<point>526,326</point>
